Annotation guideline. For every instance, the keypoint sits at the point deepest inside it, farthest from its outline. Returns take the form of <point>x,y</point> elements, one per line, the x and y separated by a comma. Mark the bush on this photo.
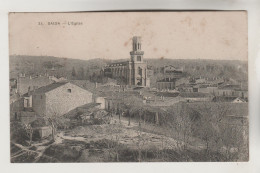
<point>63,153</point>
<point>18,133</point>
<point>39,122</point>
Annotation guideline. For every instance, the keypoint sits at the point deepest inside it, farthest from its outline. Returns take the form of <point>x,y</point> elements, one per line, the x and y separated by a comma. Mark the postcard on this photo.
<point>129,86</point>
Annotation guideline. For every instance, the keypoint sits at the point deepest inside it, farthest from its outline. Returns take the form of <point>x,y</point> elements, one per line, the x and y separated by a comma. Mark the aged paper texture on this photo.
<point>147,86</point>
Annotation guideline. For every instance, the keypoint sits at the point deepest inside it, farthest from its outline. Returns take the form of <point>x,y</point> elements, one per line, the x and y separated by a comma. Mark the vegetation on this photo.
<point>183,132</point>
<point>90,69</point>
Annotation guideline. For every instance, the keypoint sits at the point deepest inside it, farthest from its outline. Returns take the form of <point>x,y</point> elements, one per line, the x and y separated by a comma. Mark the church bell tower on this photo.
<point>138,68</point>
<point>137,53</point>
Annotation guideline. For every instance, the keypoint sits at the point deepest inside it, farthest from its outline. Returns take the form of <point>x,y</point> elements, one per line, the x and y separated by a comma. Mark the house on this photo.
<point>27,100</point>
<point>172,70</point>
<point>224,98</point>
<point>166,84</point>
<point>16,105</point>
<point>227,90</point>
<point>30,83</point>
<point>13,86</point>
<point>242,93</point>
<point>185,87</point>
<point>90,86</point>
<point>100,100</point>
<point>238,100</point>
<point>59,98</point>
<point>213,89</point>
<point>26,117</point>
<point>196,96</point>
<point>55,79</point>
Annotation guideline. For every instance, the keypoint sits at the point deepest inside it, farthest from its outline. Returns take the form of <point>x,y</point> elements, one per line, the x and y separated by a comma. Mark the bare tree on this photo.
<point>29,132</point>
<point>114,139</point>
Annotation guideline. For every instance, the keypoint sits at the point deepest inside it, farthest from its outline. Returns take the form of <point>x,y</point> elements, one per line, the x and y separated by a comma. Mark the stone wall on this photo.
<point>65,98</point>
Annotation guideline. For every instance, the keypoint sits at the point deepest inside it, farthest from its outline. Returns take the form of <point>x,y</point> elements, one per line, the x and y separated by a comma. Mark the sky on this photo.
<point>108,35</point>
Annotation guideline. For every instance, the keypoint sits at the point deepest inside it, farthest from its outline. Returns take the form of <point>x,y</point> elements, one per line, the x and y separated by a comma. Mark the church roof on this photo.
<point>123,63</point>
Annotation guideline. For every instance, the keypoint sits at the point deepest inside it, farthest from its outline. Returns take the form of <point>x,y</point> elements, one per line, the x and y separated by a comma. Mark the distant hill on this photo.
<point>233,69</point>
<point>32,65</point>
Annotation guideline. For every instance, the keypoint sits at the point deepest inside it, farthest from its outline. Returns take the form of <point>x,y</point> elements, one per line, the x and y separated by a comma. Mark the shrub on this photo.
<point>18,133</point>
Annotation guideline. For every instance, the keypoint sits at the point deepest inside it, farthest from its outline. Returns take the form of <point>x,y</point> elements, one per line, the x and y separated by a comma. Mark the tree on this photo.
<point>73,73</point>
<point>53,127</point>
<point>81,74</point>
<point>53,117</point>
<point>114,137</point>
<point>211,125</point>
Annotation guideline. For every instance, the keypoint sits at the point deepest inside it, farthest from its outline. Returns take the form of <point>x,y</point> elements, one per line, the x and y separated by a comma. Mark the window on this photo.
<point>69,90</point>
<point>139,58</point>
<point>140,71</point>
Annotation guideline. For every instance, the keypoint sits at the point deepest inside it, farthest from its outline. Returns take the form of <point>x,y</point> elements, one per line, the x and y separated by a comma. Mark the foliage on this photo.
<point>18,133</point>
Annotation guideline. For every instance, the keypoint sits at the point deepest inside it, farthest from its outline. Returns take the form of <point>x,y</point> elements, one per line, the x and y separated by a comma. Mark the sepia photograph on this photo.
<point>129,86</point>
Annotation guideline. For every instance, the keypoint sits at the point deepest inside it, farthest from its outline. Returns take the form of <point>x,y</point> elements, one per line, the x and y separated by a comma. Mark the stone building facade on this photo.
<point>170,75</point>
<point>166,84</point>
<point>59,98</point>
<point>133,72</point>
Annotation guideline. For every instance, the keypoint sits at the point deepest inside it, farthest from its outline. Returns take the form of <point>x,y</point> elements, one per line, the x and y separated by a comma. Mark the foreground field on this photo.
<point>117,141</point>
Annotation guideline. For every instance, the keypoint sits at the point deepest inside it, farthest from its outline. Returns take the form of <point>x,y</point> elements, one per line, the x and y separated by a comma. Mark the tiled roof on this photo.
<point>118,64</point>
<point>48,88</point>
<point>194,94</point>
<point>229,87</point>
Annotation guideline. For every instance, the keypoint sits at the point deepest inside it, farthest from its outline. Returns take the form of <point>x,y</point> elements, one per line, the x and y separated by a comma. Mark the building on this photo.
<point>171,71</point>
<point>238,100</point>
<point>166,84</point>
<point>59,98</point>
<point>133,72</point>
<point>170,75</point>
<point>13,86</point>
<point>101,101</point>
<point>227,90</point>
<point>242,93</point>
<point>185,87</point>
<point>196,97</point>
<point>28,83</point>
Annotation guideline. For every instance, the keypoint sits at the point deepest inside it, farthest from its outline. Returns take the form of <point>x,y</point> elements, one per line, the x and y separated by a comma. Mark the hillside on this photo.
<point>32,65</point>
<point>206,68</point>
<point>236,70</point>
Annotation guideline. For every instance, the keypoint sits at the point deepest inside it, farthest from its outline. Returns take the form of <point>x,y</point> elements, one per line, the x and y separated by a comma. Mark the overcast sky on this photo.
<point>173,35</point>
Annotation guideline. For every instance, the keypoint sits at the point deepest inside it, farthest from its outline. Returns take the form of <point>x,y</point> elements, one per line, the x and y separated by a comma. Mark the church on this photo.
<point>132,72</point>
